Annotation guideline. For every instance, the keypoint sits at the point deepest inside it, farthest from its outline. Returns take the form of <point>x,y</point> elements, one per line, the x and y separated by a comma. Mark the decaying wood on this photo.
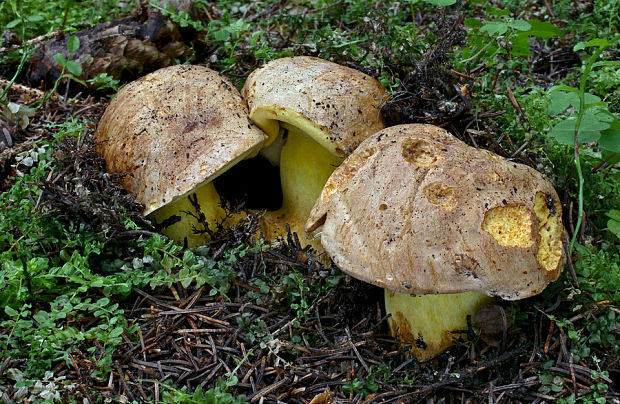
<point>33,93</point>
<point>13,41</point>
<point>124,49</point>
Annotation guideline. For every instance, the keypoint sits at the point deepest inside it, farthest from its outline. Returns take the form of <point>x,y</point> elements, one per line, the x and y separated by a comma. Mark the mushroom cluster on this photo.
<point>176,130</point>
<point>442,226</point>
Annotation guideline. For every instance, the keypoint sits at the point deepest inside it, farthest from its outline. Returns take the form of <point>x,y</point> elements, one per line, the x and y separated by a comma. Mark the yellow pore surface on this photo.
<point>510,226</point>
<point>549,214</point>
<point>426,321</point>
<point>305,166</point>
<point>209,202</point>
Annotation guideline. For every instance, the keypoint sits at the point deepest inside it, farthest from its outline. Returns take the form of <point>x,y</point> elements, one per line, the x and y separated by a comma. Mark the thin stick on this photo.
<point>356,351</point>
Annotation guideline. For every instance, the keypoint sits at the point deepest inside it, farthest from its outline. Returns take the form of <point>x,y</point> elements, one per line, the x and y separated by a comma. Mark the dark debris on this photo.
<point>430,91</point>
<point>83,191</point>
<point>188,338</point>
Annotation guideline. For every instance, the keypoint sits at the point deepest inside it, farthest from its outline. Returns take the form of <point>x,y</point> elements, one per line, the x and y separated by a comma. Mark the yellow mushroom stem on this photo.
<point>210,206</point>
<point>305,166</point>
<point>427,322</point>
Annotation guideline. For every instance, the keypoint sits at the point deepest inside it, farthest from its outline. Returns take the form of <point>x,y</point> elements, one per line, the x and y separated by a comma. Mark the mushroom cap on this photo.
<point>174,130</point>
<point>416,210</point>
<point>336,105</point>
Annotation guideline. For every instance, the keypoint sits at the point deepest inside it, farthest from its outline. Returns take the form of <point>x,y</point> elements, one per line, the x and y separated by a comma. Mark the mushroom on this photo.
<point>170,133</point>
<point>441,226</point>
<point>315,113</point>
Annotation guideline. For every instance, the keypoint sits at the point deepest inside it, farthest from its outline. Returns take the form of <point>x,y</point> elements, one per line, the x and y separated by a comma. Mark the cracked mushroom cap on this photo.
<point>174,130</point>
<point>336,105</point>
<point>416,210</point>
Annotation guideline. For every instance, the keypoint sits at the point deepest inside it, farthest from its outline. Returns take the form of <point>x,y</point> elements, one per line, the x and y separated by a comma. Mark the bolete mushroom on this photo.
<point>418,212</point>
<point>315,113</point>
<point>172,132</point>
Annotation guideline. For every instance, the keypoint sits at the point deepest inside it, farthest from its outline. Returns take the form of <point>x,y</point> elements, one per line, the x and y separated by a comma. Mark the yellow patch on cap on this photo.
<point>510,226</point>
<point>549,213</point>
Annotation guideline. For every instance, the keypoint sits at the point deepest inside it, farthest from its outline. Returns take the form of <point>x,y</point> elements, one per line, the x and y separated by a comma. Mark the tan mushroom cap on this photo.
<point>416,210</point>
<point>336,105</point>
<point>174,130</point>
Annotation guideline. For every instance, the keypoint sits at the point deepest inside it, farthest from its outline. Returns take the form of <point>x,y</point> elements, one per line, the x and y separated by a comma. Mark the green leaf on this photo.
<point>221,35</point>
<point>521,44</point>
<point>598,42</point>
<point>610,137</point>
<point>472,23</point>
<point>440,2</point>
<point>614,214</point>
<point>60,59</point>
<point>116,332</point>
<point>495,28</point>
<point>74,68</point>
<point>541,29</point>
<point>607,63</point>
<point>563,88</point>
<point>104,301</point>
<point>97,283</point>
<point>186,282</point>
<point>592,123</point>
<point>41,316</point>
<point>497,11</point>
<point>590,99</point>
<point>590,129</point>
<point>232,380</point>
<point>520,25</point>
<point>11,312</point>
<point>13,23</point>
<point>601,114</point>
<point>560,100</point>
<point>579,46</point>
<point>73,44</point>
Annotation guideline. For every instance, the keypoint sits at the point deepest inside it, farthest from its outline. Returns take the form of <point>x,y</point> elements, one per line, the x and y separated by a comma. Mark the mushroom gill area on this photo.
<point>184,219</point>
<point>285,193</point>
<point>305,166</point>
<point>250,185</point>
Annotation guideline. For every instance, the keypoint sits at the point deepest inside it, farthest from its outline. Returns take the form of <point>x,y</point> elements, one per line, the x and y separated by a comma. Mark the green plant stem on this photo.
<point>20,315</point>
<point>582,109</point>
<point>477,54</point>
<point>65,15</point>
<point>579,198</point>
<point>26,275</point>
<point>52,91</point>
<point>236,369</point>
<point>25,54</point>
